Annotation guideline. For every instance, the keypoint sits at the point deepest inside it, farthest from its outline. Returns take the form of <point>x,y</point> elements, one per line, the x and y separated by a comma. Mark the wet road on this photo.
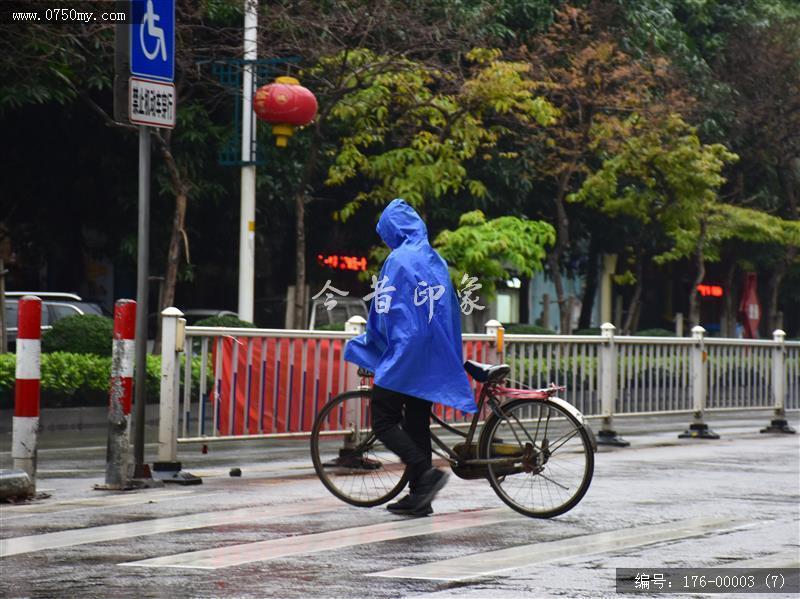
<point>276,532</point>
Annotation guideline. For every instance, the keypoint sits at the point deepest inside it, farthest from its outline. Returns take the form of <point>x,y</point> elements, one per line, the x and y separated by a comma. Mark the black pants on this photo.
<point>402,423</point>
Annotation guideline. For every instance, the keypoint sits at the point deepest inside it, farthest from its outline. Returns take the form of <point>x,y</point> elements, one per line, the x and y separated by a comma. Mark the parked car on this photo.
<point>192,316</point>
<point>55,306</point>
<point>336,316</point>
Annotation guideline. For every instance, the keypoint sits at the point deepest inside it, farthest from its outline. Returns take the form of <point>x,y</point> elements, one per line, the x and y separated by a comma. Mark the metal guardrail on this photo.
<point>270,383</point>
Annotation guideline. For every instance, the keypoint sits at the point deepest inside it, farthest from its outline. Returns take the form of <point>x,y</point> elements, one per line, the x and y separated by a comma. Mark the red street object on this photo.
<point>710,290</point>
<point>26,391</point>
<point>278,385</point>
<point>285,104</point>
<point>120,395</point>
<point>122,353</point>
<point>750,307</point>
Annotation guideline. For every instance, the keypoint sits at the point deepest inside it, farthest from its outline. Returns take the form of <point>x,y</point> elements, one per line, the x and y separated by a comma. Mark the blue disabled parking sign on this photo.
<point>153,39</point>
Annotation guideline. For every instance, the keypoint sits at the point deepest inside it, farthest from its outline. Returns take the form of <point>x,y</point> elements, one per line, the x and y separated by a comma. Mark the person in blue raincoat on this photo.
<point>413,345</point>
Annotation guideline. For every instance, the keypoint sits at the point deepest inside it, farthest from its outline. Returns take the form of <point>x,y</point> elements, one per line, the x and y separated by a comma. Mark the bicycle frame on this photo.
<point>521,435</point>
<point>491,394</point>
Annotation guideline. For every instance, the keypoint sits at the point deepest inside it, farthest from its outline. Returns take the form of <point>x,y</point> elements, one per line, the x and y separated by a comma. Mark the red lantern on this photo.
<point>286,104</point>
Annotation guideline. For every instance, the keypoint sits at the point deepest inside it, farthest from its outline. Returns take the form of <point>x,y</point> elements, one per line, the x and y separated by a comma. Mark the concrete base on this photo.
<point>612,438</point>
<point>698,430</point>
<point>141,477</point>
<point>779,425</point>
<point>129,485</point>
<point>170,472</point>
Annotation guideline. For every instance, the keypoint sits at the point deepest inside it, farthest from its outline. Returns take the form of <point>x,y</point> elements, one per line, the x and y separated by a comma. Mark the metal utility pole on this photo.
<point>247,220</point>
<point>142,290</point>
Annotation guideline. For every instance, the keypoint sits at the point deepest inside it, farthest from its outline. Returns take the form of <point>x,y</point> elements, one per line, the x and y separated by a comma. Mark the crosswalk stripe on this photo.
<point>68,505</point>
<point>235,555</point>
<point>99,534</point>
<point>494,562</point>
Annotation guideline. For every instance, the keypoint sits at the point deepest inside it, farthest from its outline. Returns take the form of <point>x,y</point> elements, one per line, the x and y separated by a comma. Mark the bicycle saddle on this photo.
<point>486,372</point>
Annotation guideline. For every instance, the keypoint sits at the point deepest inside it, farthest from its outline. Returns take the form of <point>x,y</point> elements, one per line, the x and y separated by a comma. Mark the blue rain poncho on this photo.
<point>413,338</point>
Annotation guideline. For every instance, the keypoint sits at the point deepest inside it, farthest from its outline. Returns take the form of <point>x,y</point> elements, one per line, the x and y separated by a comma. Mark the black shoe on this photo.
<point>407,506</point>
<point>428,485</point>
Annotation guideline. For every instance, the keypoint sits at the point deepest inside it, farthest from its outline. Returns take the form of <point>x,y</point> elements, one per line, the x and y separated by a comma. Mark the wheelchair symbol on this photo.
<point>153,31</point>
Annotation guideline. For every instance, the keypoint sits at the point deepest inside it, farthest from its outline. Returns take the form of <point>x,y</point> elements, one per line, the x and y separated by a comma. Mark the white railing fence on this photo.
<point>230,383</point>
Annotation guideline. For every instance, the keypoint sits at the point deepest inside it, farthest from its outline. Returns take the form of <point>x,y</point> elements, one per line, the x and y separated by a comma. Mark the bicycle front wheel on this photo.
<point>549,459</point>
<point>348,458</point>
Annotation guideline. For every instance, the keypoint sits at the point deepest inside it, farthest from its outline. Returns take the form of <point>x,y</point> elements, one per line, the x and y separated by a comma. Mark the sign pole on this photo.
<point>144,95</point>
<point>247,219</point>
<point>142,290</point>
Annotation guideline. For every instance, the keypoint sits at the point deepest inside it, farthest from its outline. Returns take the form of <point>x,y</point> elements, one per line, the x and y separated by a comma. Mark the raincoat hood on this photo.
<point>413,339</point>
<point>400,222</point>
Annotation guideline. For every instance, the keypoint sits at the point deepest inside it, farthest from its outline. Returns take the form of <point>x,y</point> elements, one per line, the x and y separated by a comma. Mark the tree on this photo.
<point>591,81</point>
<point>493,250</point>
<point>761,64</point>
<point>741,58</point>
<point>664,177</point>
<point>408,129</point>
<point>353,52</point>
<point>69,63</point>
<point>412,130</point>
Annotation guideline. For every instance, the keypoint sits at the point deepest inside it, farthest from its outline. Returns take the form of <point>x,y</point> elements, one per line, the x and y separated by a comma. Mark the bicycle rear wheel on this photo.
<point>551,457</point>
<point>348,458</point>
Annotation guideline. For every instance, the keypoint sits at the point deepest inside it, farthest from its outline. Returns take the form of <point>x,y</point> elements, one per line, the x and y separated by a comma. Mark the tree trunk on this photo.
<point>560,248</point>
<point>300,308</point>
<point>700,264</point>
<point>176,239</point>
<point>300,260</point>
<point>174,252</point>
<point>589,289</point>
<point>632,317</point>
<point>555,274</point>
<point>729,303</point>
<point>768,323</point>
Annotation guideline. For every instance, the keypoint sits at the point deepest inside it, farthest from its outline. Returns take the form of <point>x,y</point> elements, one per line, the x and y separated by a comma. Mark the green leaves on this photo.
<point>81,375</point>
<point>81,334</point>
<point>409,131</point>
<point>662,175</point>
<point>495,249</point>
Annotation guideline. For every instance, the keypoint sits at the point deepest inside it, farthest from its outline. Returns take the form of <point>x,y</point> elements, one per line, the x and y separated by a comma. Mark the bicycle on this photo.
<point>525,444</point>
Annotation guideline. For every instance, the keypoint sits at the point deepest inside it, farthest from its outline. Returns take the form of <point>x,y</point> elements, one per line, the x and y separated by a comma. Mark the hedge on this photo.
<point>79,379</point>
<point>333,326</point>
<point>228,321</point>
<point>80,334</point>
<point>526,329</point>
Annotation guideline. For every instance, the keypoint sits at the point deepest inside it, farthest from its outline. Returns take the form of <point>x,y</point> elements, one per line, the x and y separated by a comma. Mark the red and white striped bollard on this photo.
<point>25,429</point>
<point>120,395</point>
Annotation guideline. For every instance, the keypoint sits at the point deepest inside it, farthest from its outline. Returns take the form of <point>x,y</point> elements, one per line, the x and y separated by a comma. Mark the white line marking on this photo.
<point>99,534</point>
<point>235,555</point>
<point>494,562</point>
<point>98,502</point>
